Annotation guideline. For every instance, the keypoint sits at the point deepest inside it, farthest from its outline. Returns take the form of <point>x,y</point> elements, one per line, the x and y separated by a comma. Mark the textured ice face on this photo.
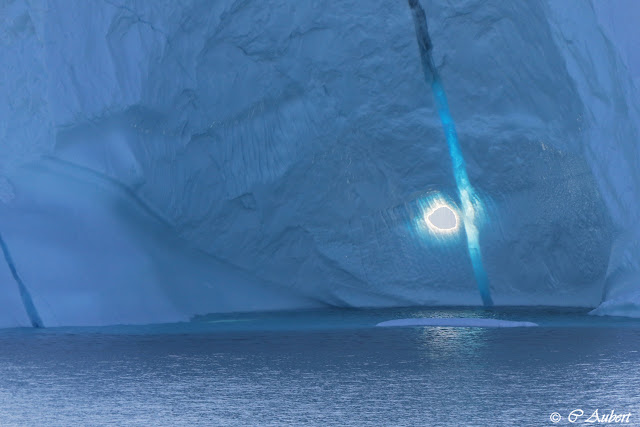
<point>300,144</point>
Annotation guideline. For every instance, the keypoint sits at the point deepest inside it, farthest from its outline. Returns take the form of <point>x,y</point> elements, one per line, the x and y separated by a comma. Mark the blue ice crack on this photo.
<point>469,200</point>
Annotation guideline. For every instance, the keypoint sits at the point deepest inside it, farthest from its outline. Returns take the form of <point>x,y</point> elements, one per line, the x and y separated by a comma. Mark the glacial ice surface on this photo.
<point>164,159</point>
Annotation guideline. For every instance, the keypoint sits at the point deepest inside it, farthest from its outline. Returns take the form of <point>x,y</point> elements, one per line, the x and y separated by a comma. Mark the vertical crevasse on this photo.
<point>29,306</point>
<point>469,200</point>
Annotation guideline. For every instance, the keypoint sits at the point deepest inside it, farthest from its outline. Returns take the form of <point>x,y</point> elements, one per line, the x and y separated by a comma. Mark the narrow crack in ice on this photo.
<point>470,202</point>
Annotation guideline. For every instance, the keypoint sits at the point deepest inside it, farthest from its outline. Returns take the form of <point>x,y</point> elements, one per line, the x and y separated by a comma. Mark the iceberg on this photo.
<point>160,160</point>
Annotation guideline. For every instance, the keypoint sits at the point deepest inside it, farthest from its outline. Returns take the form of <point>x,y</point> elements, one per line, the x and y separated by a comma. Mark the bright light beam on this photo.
<point>470,202</point>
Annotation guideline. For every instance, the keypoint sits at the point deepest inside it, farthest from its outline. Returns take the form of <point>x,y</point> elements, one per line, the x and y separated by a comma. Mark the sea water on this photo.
<point>324,367</point>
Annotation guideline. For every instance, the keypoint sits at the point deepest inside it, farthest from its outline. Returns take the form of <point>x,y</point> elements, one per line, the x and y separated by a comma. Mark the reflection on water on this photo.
<point>257,372</point>
<point>443,342</point>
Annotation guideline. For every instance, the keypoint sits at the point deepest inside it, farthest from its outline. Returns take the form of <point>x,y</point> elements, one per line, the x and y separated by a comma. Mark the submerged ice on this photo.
<point>457,322</point>
<point>160,160</point>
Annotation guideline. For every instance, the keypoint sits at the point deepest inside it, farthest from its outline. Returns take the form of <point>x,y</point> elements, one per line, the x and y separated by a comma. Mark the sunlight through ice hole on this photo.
<point>442,219</point>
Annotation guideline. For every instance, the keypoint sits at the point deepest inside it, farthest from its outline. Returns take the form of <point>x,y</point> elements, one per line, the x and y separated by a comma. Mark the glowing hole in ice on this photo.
<point>440,218</point>
<point>443,218</point>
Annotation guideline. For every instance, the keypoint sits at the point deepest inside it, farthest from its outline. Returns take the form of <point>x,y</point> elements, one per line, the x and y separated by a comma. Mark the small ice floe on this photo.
<point>459,322</point>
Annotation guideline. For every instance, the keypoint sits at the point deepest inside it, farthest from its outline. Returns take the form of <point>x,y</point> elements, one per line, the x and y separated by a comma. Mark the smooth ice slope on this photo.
<point>619,20</point>
<point>292,147</point>
<point>91,254</point>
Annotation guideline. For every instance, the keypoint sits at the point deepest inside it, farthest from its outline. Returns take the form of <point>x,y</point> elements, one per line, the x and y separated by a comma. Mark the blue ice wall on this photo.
<point>164,159</point>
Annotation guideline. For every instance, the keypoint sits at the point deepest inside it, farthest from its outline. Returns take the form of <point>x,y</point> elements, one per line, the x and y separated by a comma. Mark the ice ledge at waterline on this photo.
<point>162,159</point>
